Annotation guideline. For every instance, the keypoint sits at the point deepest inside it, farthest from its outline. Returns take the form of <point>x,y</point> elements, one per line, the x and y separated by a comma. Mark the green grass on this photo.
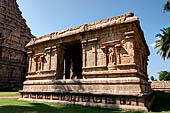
<point>15,106</point>
<point>9,94</point>
<point>162,103</point>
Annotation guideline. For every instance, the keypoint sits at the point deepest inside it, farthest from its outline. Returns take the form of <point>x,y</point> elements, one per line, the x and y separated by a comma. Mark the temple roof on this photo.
<point>123,19</point>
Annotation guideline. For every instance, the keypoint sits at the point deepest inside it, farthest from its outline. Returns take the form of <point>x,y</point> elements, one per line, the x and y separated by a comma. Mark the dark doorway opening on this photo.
<point>73,61</point>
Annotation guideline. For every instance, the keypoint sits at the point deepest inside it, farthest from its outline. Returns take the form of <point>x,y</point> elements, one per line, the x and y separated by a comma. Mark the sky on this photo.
<point>47,16</point>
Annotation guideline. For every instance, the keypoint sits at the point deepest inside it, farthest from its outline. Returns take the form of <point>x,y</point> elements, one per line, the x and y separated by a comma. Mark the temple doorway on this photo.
<point>73,60</point>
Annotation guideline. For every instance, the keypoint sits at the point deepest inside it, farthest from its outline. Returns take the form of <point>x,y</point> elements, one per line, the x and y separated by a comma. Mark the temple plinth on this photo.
<point>98,64</point>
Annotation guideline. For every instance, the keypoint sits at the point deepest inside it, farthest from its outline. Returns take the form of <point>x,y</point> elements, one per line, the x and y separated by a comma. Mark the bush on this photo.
<point>5,88</point>
<point>164,76</point>
<point>152,78</point>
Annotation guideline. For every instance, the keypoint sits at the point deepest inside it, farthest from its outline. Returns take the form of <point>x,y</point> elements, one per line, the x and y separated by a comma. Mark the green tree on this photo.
<point>167,7</point>
<point>152,78</point>
<point>164,76</point>
<point>163,43</point>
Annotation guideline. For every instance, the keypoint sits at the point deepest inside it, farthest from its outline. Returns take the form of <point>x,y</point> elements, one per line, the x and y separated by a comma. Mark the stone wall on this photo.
<point>161,86</point>
<point>14,35</point>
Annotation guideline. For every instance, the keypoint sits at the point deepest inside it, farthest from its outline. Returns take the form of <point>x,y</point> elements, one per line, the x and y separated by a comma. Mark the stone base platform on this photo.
<point>114,93</point>
<point>161,86</point>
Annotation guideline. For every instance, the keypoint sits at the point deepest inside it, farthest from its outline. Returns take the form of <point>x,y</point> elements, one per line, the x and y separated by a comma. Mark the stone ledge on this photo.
<point>40,76</point>
<point>111,72</point>
<point>87,81</point>
<point>134,93</point>
<point>161,86</point>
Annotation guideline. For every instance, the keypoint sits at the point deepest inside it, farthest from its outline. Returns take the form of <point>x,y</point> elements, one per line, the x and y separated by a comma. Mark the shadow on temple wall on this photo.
<point>58,108</point>
<point>162,102</point>
<point>66,87</point>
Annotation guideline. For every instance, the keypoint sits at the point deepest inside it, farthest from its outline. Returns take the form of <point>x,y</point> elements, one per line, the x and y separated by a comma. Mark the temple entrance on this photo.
<point>73,61</point>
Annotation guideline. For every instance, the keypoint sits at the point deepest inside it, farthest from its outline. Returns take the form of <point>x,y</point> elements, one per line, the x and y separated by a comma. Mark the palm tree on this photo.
<point>163,43</point>
<point>167,7</point>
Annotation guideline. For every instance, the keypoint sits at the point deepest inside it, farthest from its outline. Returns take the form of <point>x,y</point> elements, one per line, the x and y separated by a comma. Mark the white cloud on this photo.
<point>153,45</point>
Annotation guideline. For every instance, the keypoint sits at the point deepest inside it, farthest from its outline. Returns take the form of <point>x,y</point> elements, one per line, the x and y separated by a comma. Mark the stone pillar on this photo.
<point>48,54</point>
<point>84,54</point>
<point>30,61</point>
<point>94,54</point>
<point>60,61</point>
<point>118,55</point>
<point>129,36</point>
<point>104,49</point>
<point>50,59</point>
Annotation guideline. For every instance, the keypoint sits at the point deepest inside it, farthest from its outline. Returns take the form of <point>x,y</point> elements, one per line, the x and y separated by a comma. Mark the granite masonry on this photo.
<point>163,86</point>
<point>14,35</point>
<point>100,64</point>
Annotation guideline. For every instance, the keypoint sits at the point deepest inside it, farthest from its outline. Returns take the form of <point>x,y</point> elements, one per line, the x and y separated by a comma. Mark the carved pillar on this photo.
<point>118,56</point>
<point>30,55</point>
<point>48,53</point>
<point>105,54</point>
<point>36,63</point>
<point>30,63</point>
<point>129,36</point>
<point>42,62</point>
<point>60,61</point>
<point>131,53</point>
<point>94,54</point>
<point>84,54</point>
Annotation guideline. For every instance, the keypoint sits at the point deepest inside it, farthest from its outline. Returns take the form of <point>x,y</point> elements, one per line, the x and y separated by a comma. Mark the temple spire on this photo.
<point>14,35</point>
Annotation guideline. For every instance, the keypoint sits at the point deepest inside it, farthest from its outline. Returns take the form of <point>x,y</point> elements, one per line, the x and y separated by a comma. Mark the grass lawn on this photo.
<point>162,104</point>
<point>15,106</point>
<point>9,94</point>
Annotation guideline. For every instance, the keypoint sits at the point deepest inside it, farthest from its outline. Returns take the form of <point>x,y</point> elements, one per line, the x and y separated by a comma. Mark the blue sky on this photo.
<point>47,16</point>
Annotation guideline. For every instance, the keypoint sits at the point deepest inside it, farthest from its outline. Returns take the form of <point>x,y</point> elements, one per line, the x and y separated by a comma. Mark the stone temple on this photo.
<point>14,35</point>
<point>100,64</point>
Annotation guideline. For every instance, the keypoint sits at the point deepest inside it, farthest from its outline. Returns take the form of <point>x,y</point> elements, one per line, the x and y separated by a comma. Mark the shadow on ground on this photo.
<point>162,102</point>
<point>44,108</point>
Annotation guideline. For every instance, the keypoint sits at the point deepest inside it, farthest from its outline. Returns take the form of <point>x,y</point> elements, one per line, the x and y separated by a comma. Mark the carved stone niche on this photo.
<point>110,49</point>
<point>39,59</point>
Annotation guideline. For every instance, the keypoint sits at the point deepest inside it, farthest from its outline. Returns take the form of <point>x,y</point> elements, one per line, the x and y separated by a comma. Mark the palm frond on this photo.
<point>158,35</point>
<point>163,43</point>
<point>167,6</point>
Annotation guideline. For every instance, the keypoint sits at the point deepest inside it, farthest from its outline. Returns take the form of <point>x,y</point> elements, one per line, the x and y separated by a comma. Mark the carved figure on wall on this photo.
<point>112,56</point>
